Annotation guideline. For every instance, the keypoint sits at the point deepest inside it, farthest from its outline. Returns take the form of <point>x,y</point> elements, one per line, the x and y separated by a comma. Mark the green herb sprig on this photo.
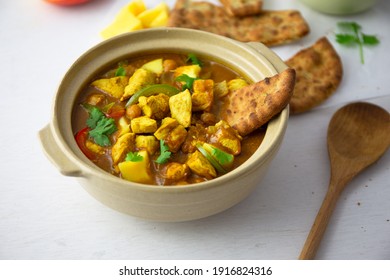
<point>357,37</point>
<point>194,59</point>
<point>186,80</point>
<point>134,157</point>
<point>101,126</point>
<point>165,154</point>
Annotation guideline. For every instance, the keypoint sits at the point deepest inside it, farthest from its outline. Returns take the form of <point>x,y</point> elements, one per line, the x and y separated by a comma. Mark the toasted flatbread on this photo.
<point>250,107</point>
<point>319,72</point>
<point>242,8</point>
<point>269,27</point>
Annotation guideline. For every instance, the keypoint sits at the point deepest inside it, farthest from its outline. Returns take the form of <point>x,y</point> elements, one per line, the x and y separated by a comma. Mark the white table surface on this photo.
<point>45,215</point>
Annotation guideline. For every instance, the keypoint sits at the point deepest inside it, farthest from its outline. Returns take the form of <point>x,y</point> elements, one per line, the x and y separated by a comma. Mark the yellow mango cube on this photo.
<point>136,7</point>
<point>126,22</point>
<point>160,20</point>
<point>155,66</point>
<point>137,171</point>
<point>148,16</point>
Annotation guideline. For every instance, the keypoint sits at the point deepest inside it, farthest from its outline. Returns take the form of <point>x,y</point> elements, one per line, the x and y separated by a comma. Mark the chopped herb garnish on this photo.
<point>101,126</point>
<point>134,157</point>
<point>186,80</point>
<point>356,37</point>
<point>121,71</point>
<point>164,153</point>
<point>194,60</point>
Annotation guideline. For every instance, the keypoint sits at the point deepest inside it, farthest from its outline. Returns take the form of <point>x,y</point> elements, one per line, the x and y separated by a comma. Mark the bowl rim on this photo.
<point>88,169</point>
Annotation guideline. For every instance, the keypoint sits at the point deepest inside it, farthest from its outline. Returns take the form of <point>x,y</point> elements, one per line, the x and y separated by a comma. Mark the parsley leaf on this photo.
<point>187,80</point>
<point>193,59</point>
<point>134,157</point>
<point>356,37</point>
<point>164,153</point>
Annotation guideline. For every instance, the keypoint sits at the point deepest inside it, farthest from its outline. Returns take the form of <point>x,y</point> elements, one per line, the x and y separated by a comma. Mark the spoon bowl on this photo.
<point>358,135</point>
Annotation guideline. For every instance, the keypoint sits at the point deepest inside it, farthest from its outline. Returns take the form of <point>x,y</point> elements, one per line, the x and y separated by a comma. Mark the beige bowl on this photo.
<point>173,203</point>
<point>340,7</point>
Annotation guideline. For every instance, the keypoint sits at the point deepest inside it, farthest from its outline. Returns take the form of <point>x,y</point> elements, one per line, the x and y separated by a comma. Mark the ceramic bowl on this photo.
<point>339,7</point>
<point>173,203</point>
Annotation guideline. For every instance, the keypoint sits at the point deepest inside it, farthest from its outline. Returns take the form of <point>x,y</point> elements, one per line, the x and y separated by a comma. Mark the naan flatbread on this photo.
<point>242,8</point>
<point>269,27</point>
<point>250,107</point>
<point>319,72</point>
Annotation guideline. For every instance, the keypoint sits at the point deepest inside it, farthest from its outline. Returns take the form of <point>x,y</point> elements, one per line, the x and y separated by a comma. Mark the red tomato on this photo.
<point>67,2</point>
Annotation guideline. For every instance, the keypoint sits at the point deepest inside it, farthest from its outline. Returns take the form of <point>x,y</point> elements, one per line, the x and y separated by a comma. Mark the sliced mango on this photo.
<point>136,7</point>
<point>155,66</point>
<point>124,22</point>
<point>148,16</point>
<point>137,171</point>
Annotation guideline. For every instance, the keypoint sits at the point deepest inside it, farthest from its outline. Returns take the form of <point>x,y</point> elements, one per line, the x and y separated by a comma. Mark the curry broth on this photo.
<point>209,70</point>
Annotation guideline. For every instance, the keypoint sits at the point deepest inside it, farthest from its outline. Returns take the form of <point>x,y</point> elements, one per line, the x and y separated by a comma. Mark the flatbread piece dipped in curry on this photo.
<point>319,72</point>
<point>269,27</point>
<point>250,107</point>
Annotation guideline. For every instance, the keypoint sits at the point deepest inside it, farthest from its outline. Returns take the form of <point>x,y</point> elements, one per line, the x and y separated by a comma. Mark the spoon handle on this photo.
<point>319,226</point>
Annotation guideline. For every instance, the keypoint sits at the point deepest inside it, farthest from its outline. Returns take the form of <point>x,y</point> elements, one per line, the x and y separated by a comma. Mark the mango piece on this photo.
<point>155,66</point>
<point>148,16</point>
<point>136,7</point>
<point>137,171</point>
<point>160,20</point>
<point>124,22</point>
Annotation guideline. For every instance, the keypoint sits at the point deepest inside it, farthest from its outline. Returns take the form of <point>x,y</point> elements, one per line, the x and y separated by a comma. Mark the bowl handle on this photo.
<point>53,152</point>
<point>275,60</point>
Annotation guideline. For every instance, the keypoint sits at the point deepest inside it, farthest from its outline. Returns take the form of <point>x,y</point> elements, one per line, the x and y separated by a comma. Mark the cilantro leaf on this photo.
<point>94,116</point>
<point>164,153</point>
<point>134,157</point>
<point>187,81</point>
<point>194,60</point>
<point>104,127</point>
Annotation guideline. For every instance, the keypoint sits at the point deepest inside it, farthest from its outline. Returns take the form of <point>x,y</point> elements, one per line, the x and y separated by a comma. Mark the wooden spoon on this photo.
<point>358,135</point>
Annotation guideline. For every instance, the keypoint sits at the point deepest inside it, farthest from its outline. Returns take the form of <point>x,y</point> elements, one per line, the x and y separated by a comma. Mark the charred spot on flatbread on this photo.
<point>250,107</point>
<point>242,8</point>
<point>269,27</point>
<point>319,72</point>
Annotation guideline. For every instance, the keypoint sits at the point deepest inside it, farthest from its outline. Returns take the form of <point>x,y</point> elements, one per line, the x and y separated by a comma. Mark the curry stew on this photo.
<point>158,119</point>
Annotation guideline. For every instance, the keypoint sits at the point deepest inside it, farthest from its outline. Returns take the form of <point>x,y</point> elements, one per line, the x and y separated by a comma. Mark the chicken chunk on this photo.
<point>181,107</point>
<point>143,124</point>
<point>175,138</point>
<point>176,171</point>
<point>113,86</point>
<point>137,81</point>
<point>155,106</point>
<point>203,95</point>
<point>225,137</point>
<point>93,147</point>
<point>195,134</point>
<point>236,84</point>
<point>201,166</point>
<point>122,146</point>
<point>189,70</point>
<point>147,142</point>
<point>221,89</point>
<point>173,133</point>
